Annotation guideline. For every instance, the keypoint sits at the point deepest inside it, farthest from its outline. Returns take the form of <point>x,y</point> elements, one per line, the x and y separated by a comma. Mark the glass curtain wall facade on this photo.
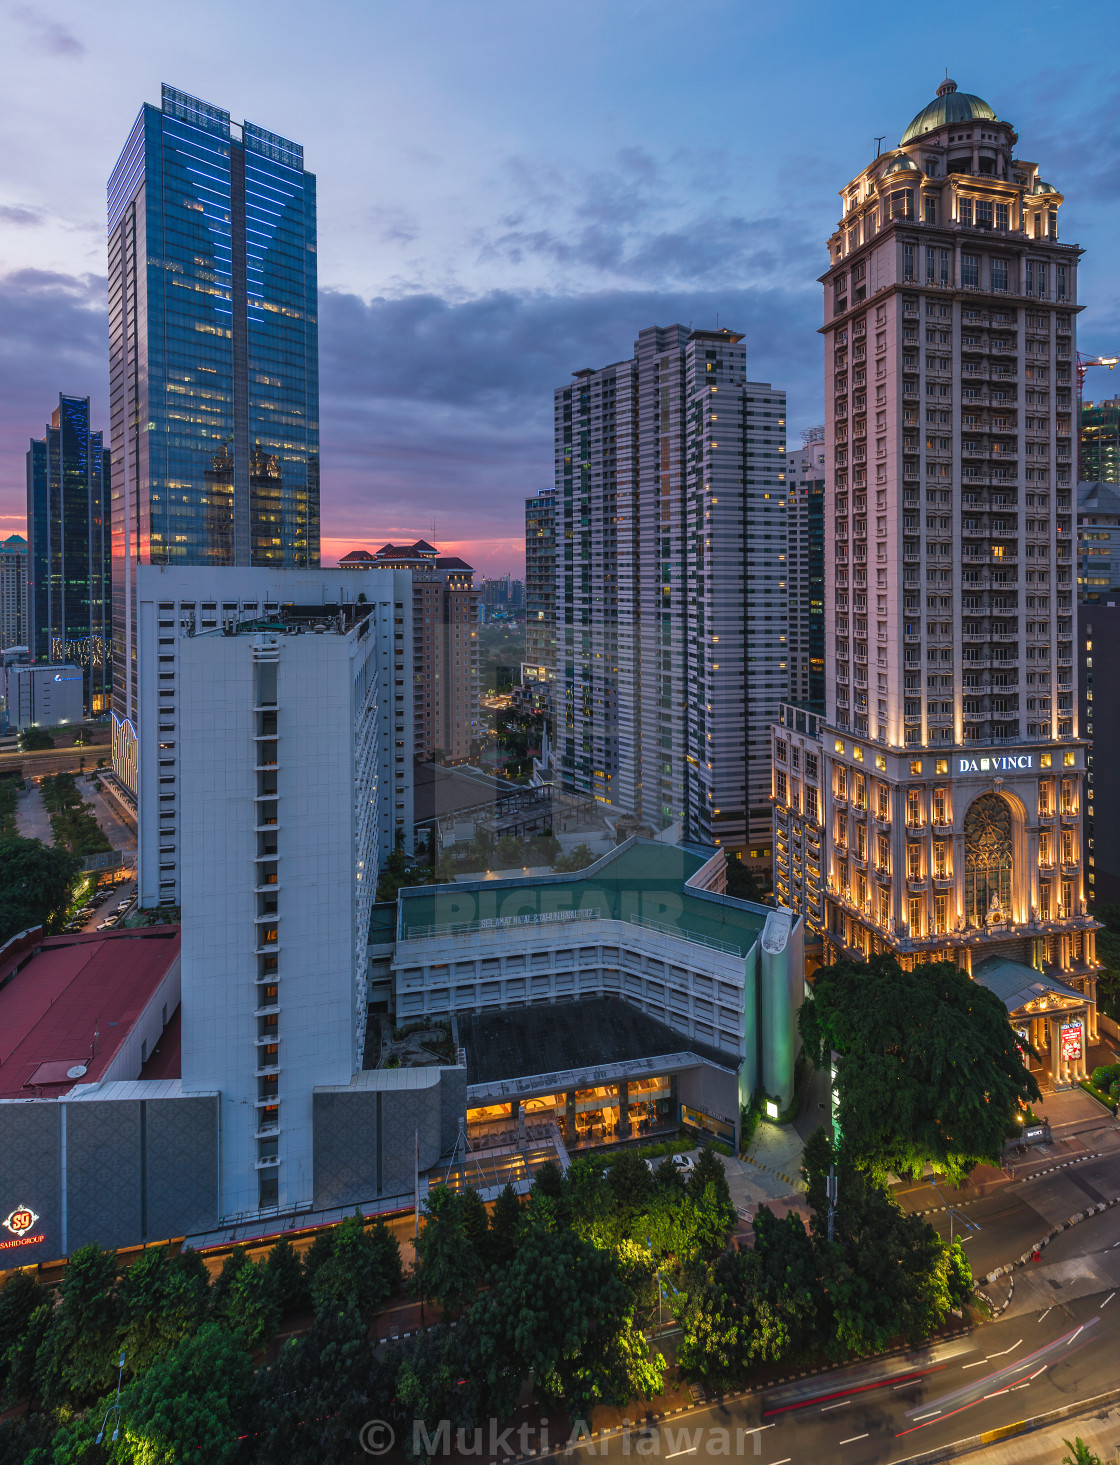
<point>213,356</point>
<point>69,600</point>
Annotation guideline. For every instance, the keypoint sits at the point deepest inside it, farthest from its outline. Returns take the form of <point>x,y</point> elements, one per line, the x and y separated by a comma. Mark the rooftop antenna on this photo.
<point>879,144</point>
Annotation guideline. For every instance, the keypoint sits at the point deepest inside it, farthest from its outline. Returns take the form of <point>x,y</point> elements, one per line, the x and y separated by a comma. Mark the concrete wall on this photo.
<point>119,1170</point>
<point>145,1031</point>
<point>365,1132</point>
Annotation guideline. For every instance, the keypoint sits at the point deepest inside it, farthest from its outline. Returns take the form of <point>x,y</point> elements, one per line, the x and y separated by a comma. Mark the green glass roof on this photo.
<point>643,882</point>
<point>949,106</point>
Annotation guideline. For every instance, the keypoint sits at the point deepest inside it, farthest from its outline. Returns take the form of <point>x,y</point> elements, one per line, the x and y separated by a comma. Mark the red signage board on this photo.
<point>1071,1040</point>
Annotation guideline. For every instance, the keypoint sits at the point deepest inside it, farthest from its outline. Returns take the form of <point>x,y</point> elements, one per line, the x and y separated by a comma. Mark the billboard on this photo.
<point>1071,1039</point>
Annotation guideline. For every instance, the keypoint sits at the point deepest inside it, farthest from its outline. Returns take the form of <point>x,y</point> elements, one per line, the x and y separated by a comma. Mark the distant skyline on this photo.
<point>509,193</point>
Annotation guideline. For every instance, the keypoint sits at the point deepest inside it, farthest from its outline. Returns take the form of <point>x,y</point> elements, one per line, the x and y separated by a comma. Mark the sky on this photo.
<point>509,192</point>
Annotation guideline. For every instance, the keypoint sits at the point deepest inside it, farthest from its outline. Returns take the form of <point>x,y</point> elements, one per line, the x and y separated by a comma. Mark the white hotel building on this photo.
<point>948,771</point>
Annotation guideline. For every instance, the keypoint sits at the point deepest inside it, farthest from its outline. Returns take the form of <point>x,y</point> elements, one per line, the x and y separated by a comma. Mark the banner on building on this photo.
<point>1071,1040</point>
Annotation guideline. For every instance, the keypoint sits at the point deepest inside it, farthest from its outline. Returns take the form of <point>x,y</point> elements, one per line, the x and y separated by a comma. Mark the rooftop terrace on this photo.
<point>642,882</point>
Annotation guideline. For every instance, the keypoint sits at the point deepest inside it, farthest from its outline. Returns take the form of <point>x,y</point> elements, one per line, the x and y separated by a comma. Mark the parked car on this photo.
<point>685,1164</point>
<point>123,905</point>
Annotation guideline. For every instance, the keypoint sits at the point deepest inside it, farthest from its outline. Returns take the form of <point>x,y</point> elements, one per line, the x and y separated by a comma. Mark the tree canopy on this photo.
<point>35,885</point>
<point>930,1070</point>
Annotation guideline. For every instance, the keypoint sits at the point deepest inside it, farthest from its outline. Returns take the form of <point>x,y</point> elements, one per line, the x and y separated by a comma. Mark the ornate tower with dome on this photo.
<point>945,810</point>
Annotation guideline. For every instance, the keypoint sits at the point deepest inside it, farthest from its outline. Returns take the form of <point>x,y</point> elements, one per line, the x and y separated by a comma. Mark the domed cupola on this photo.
<point>901,164</point>
<point>948,108</point>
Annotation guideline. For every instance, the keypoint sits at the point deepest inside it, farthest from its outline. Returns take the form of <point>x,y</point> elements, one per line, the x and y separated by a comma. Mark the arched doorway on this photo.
<point>988,844</point>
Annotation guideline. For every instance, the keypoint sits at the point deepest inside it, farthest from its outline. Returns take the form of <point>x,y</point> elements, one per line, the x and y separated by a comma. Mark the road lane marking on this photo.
<point>1005,1352</point>
<point>1107,1300</point>
<point>690,1451</point>
<point>979,1362</point>
<point>930,1415</point>
<point>786,1461</point>
<point>1071,1337</point>
<point>841,1404</point>
<point>1047,1313</point>
<point>757,1429</point>
<point>853,1439</point>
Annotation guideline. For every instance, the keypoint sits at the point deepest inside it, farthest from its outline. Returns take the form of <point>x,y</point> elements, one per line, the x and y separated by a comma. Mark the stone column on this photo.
<point>624,1108</point>
<point>1055,1052</point>
<point>570,1116</point>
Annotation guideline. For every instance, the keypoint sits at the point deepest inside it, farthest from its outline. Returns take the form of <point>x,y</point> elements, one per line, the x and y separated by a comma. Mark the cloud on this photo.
<point>429,407</point>
<point>19,214</point>
<point>52,35</point>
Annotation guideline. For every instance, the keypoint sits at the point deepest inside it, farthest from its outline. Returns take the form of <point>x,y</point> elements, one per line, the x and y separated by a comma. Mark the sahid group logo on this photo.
<point>21,1220</point>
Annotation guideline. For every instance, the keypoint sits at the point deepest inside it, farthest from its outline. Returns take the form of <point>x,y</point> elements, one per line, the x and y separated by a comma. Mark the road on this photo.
<point>119,834</point>
<point>889,1410</point>
<point>1014,1217</point>
<point>54,760</point>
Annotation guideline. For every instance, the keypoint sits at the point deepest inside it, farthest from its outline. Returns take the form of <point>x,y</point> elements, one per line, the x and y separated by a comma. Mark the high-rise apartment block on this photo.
<point>1098,542</point>
<point>286,735</point>
<point>671,654</point>
<point>14,628</point>
<point>175,606</point>
<point>445,690</point>
<point>69,554</point>
<point>213,360</point>
<point>805,568</point>
<point>540,584</point>
<point>951,765</point>
<point>1100,441</point>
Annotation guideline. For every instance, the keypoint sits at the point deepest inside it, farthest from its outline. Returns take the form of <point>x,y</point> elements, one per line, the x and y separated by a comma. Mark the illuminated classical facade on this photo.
<point>951,768</point>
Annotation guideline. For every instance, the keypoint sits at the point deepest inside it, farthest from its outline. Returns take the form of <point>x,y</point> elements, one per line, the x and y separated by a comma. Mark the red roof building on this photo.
<point>83,1009</point>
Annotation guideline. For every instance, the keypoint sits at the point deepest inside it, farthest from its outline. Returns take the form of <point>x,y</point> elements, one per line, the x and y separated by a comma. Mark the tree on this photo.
<point>288,1282</point>
<point>78,1356</point>
<point>362,1270</point>
<point>1079,1453</point>
<point>930,1070</point>
<point>436,1380</point>
<point>708,1189</point>
<point>887,1274</point>
<point>20,1298</point>
<point>448,1267</point>
<point>163,1298</point>
<point>742,882</point>
<point>564,1313</point>
<point>310,1404</point>
<point>505,1228</point>
<point>34,740</point>
<point>191,1404</point>
<point>576,859</point>
<point>35,885</point>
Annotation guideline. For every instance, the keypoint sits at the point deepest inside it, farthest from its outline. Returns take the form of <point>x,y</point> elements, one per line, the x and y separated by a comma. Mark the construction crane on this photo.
<point>1083,364</point>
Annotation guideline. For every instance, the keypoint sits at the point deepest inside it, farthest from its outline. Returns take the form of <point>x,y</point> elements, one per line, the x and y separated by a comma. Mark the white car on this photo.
<point>685,1164</point>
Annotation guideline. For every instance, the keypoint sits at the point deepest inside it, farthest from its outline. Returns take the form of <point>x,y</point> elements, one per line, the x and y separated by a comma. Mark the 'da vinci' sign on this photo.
<point>998,763</point>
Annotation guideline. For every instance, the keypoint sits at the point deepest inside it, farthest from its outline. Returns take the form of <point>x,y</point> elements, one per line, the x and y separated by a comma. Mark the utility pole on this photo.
<point>833,1182</point>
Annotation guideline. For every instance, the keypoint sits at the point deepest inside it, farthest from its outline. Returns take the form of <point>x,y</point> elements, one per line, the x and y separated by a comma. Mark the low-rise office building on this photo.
<point>44,696</point>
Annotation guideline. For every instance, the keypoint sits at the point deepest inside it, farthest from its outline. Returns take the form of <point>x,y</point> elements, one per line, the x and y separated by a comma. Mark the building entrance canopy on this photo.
<point>1045,1013</point>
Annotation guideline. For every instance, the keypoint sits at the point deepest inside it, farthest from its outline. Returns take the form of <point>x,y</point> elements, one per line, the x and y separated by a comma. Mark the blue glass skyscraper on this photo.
<point>213,364</point>
<point>69,569</point>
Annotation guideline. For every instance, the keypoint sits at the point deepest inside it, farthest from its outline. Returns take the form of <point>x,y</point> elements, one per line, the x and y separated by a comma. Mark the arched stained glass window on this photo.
<point>987,861</point>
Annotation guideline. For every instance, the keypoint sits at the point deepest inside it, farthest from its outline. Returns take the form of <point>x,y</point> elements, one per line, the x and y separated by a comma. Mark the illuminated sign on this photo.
<point>60,678</point>
<point>1071,1040</point>
<point>997,763</point>
<point>21,1220</point>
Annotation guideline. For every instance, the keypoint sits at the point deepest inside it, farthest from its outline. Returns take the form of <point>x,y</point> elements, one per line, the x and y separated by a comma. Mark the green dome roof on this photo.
<point>1040,187</point>
<point>949,106</point>
<point>903,164</point>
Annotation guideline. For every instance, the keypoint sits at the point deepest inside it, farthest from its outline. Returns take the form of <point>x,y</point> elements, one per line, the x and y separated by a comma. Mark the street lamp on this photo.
<point>114,1408</point>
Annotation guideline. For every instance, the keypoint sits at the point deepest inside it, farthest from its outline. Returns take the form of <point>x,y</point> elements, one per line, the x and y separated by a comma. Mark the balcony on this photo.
<point>942,882</point>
